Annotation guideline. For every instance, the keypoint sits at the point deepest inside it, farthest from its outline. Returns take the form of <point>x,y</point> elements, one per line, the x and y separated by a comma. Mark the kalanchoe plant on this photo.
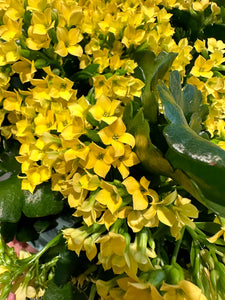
<point>112,149</point>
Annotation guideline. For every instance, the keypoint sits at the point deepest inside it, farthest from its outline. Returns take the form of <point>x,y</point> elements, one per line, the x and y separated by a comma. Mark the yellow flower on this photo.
<point>42,22</point>
<point>37,175</point>
<point>68,42</point>
<point>139,192</point>
<point>183,210</point>
<point>202,67</point>
<point>25,68</point>
<point>88,210</point>
<point>159,208</point>
<point>11,29</point>
<point>184,290</point>
<point>96,160</point>
<point>123,162</point>
<point>37,41</point>
<point>75,238</point>
<point>105,110</point>
<point>116,135</point>
<point>144,291</point>
<point>12,101</point>
<point>109,196</point>
<point>132,36</point>
<point>199,45</point>
<point>201,5</point>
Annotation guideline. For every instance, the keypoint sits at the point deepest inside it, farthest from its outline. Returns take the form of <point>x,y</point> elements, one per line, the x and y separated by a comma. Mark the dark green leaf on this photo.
<point>201,160</point>
<point>153,68</point>
<point>88,72</point>
<point>210,227</point>
<point>42,202</point>
<point>59,293</point>
<point>11,198</point>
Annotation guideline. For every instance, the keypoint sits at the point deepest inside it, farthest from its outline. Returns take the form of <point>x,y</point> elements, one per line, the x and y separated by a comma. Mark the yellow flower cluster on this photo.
<point>78,140</point>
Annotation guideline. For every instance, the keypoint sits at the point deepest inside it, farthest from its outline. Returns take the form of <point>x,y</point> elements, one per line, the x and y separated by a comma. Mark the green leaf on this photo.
<point>202,161</point>
<point>11,198</point>
<point>149,155</point>
<point>153,68</point>
<point>87,73</point>
<point>189,100</point>
<point>210,227</point>
<point>42,202</point>
<point>59,293</point>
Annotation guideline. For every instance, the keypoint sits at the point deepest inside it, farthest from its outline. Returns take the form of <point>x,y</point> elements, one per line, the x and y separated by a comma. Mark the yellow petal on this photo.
<point>140,202</point>
<point>127,138</point>
<point>215,237</point>
<point>166,216</point>
<point>75,50</point>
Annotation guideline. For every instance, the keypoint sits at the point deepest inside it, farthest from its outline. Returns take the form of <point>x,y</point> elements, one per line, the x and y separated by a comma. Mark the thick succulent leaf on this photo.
<point>42,202</point>
<point>11,198</point>
<point>190,101</point>
<point>201,160</point>
<point>153,68</point>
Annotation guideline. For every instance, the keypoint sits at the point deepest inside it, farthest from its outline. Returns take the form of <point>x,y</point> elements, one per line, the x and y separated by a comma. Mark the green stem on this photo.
<point>50,244</point>
<point>92,292</point>
<point>177,246</point>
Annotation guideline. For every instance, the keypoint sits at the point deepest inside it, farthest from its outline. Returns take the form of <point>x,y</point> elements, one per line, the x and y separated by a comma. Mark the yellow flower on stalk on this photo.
<point>184,290</point>
<point>202,67</point>
<point>68,42</point>
<point>183,210</point>
<point>115,134</point>
<point>109,196</point>
<point>139,192</point>
<point>88,210</point>
<point>75,238</point>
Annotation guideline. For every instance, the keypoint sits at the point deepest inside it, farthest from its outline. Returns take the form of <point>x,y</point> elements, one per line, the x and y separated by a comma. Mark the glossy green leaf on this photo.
<point>11,198</point>
<point>153,68</point>
<point>42,202</point>
<point>201,160</point>
<point>59,292</point>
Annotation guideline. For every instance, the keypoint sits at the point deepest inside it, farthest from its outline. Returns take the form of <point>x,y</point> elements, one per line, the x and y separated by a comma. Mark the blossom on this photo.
<point>139,192</point>
<point>115,134</point>
<point>202,67</point>
<point>109,196</point>
<point>68,42</point>
<point>25,69</point>
<point>105,110</point>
